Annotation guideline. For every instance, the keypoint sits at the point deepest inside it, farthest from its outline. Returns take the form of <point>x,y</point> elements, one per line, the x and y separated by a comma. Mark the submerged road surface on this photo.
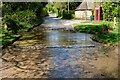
<point>52,50</point>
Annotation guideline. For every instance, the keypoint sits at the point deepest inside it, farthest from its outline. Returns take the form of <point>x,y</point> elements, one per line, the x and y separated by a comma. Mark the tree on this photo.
<point>15,13</point>
<point>111,10</point>
<point>74,5</point>
<point>11,7</point>
<point>60,5</point>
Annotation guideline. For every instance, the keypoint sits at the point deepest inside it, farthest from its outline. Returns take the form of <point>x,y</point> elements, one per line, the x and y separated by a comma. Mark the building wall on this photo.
<point>83,14</point>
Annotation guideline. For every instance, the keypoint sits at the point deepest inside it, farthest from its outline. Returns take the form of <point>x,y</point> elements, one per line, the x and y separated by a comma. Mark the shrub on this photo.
<point>44,12</point>
<point>107,38</point>
<point>67,15</point>
<point>20,20</point>
<point>93,29</point>
<point>12,25</point>
<point>22,16</point>
<point>100,30</point>
<point>60,12</point>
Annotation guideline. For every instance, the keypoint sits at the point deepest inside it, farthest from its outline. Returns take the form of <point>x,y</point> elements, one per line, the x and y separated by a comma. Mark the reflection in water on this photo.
<point>60,39</point>
<point>64,47</point>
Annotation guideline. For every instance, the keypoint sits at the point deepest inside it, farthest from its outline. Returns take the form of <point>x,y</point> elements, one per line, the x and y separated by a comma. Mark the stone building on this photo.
<point>84,10</point>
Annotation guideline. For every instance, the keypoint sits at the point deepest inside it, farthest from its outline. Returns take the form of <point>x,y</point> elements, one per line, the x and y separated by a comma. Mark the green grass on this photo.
<point>100,31</point>
<point>94,23</point>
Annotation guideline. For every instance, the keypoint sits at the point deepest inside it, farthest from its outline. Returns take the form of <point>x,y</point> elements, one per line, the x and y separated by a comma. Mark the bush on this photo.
<point>7,37</point>
<point>67,15</point>
<point>72,12</point>
<point>107,38</point>
<point>44,12</point>
<point>21,20</point>
<point>100,31</point>
<point>60,13</point>
<point>12,25</point>
<point>93,29</point>
<point>21,16</point>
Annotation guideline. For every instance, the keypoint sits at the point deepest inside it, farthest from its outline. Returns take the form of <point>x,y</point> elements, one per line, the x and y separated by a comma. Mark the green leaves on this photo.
<point>18,16</point>
<point>100,31</point>
<point>110,10</point>
<point>94,28</point>
<point>23,16</point>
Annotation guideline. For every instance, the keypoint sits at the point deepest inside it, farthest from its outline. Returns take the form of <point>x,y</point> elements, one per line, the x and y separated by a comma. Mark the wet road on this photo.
<point>66,48</point>
<point>51,51</point>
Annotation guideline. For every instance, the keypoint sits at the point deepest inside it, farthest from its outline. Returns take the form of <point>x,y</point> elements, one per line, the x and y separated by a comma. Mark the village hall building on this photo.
<point>84,10</point>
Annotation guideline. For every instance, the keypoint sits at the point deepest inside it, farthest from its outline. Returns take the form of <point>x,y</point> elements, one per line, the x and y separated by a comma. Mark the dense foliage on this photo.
<point>61,9</point>
<point>20,16</point>
<point>93,28</point>
<point>67,15</point>
<point>111,10</point>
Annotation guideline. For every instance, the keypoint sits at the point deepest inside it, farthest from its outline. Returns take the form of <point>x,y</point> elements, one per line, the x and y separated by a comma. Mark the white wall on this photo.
<point>82,15</point>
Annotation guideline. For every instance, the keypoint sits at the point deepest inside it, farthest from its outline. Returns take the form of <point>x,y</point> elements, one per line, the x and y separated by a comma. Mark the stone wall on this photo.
<point>83,14</point>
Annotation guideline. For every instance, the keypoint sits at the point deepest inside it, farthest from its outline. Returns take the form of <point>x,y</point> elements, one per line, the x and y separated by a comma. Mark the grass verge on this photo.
<point>103,31</point>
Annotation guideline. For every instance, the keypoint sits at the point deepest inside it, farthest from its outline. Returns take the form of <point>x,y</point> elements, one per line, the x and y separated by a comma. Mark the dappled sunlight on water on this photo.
<point>53,52</point>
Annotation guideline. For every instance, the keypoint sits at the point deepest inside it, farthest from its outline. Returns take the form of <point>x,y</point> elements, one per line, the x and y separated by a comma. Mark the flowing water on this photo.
<point>52,51</point>
<point>66,47</point>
